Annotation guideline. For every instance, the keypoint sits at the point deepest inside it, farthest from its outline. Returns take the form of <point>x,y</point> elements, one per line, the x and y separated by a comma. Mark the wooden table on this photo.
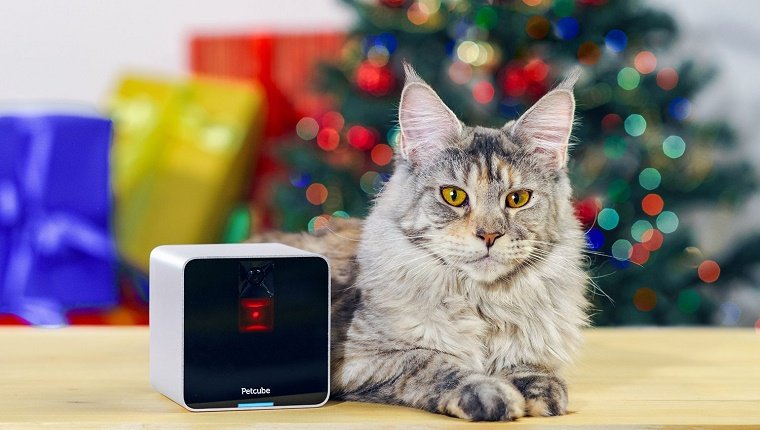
<point>627,378</point>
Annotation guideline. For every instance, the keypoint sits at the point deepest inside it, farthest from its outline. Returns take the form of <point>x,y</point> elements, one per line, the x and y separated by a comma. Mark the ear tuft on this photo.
<point>411,75</point>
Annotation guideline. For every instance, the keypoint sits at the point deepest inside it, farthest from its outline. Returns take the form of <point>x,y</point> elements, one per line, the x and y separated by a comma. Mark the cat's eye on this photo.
<point>454,196</point>
<point>518,199</point>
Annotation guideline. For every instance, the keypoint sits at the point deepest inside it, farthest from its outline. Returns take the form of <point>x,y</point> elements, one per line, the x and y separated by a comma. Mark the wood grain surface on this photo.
<point>88,377</point>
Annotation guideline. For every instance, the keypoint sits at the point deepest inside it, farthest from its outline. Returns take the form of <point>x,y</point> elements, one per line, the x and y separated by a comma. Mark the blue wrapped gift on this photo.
<point>56,247</point>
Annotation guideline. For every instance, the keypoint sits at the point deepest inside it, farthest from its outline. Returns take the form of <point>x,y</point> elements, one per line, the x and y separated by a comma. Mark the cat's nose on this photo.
<point>488,238</point>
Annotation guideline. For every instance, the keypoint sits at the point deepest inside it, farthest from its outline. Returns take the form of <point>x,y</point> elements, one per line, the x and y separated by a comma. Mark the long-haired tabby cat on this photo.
<point>463,292</point>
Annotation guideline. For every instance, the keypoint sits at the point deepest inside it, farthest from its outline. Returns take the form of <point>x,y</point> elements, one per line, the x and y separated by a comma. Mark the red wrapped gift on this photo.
<point>284,65</point>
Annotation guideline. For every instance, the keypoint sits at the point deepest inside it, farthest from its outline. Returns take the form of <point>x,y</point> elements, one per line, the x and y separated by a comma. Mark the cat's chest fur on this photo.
<point>486,330</point>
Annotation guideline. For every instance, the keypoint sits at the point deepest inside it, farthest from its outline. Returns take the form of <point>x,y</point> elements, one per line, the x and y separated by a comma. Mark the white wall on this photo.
<point>74,50</point>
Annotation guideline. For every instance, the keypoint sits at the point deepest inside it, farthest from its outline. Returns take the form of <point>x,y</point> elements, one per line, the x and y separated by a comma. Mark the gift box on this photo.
<point>56,249</point>
<point>183,153</point>
<point>285,65</point>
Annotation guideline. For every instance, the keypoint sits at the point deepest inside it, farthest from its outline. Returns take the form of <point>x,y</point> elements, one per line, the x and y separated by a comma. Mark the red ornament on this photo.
<point>374,80</point>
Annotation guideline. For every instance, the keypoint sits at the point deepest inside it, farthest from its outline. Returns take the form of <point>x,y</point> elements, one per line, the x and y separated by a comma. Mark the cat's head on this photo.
<point>485,201</point>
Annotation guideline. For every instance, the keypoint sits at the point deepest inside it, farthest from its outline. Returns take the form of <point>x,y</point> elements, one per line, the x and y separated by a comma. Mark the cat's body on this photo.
<point>467,306</point>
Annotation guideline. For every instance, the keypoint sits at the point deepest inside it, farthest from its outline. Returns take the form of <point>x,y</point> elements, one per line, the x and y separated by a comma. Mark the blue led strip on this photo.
<point>255,405</point>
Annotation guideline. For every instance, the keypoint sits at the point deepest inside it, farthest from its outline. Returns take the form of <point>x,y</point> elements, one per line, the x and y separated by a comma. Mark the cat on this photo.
<point>464,290</point>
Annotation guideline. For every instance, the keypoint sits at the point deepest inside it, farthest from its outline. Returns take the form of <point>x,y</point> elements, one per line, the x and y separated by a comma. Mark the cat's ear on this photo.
<point>427,124</point>
<point>547,125</point>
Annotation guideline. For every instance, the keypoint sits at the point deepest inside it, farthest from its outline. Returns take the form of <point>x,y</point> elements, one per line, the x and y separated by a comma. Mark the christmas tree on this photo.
<point>639,159</point>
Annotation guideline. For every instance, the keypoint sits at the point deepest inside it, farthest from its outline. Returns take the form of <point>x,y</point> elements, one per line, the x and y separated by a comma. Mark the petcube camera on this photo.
<point>243,326</point>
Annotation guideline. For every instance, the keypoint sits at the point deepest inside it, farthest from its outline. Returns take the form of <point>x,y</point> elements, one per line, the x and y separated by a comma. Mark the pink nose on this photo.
<point>489,238</point>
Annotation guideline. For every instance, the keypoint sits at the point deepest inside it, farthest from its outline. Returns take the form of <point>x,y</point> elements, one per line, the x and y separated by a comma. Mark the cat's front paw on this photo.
<point>545,394</point>
<point>484,398</point>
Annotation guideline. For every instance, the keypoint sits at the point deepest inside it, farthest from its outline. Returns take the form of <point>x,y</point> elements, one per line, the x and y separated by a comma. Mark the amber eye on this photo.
<point>518,199</point>
<point>454,196</point>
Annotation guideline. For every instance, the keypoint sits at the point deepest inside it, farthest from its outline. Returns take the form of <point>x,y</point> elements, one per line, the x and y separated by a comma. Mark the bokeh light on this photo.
<point>645,62</point>
<point>652,204</point>
<point>566,28</point>
<point>611,121</point>
<point>645,299</point>
<point>614,147</point>
<point>679,108</point>
<point>635,125</point>
<point>689,301</point>
<point>692,257</point>
<point>460,72</point>
<point>385,39</point>
<point>537,27</point>
<point>628,78</point>
<point>333,120</point>
<point>328,139</point>
<point>381,154</point>
<point>316,194</point>
<point>667,79</point>
<point>536,70</point>
<point>378,55</point>
<point>468,51</point>
<point>652,240</point>
<point>393,136</point>
<point>486,18</point>
<point>729,313</point>
<point>594,238</point>
<point>514,82</point>
<point>361,137</point>
<point>307,128</point>
<point>708,271</point>
<point>369,182</point>
<point>639,228</point>
<point>418,13</point>
<point>374,80</point>
<point>673,146</point>
<point>318,223</point>
<point>615,40</point>
<point>667,222</point>
<point>621,249</point>
<point>588,53</point>
<point>618,190</point>
<point>563,7</point>
<point>608,218</point>
<point>483,92</point>
<point>299,179</point>
<point>639,254</point>
<point>650,178</point>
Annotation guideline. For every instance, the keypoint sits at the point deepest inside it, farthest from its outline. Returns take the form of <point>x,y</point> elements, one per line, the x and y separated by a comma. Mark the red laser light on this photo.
<point>256,315</point>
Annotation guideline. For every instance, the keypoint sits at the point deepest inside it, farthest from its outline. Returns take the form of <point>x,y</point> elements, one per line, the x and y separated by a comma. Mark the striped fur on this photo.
<point>425,314</point>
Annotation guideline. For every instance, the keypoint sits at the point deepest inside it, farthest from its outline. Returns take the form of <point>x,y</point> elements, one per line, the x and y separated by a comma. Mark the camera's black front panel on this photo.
<point>256,325</point>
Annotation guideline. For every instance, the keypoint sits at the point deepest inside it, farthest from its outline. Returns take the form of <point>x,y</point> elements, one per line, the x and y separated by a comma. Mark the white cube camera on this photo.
<point>240,326</point>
